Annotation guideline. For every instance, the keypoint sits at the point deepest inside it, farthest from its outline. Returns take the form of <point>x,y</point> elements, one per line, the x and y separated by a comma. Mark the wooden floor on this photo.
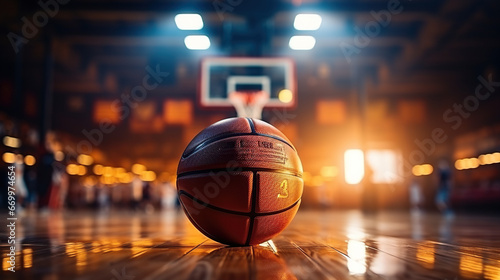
<point>317,245</point>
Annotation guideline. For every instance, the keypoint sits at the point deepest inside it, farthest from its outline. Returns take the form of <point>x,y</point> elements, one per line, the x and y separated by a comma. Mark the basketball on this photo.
<point>240,181</point>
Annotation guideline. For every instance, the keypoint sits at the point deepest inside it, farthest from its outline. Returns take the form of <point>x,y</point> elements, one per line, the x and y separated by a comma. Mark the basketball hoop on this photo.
<point>249,104</point>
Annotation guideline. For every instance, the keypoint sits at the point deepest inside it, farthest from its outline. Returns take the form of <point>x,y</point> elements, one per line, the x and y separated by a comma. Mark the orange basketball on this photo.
<point>240,181</point>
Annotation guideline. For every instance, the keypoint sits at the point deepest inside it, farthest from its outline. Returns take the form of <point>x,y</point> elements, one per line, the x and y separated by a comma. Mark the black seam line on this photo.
<point>253,203</point>
<point>247,214</point>
<point>240,169</point>
<point>252,125</point>
<point>195,223</point>
<point>224,136</point>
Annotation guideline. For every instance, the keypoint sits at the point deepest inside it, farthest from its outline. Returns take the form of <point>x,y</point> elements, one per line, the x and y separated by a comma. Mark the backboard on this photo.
<point>222,76</point>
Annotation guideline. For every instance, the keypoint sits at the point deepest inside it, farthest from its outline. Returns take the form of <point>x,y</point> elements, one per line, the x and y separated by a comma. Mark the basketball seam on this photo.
<point>193,221</point>
<point>240,169</point>
<point>252,125</point>
<point>253,204</point>
<point>224,136</point>
<point>246,214</point>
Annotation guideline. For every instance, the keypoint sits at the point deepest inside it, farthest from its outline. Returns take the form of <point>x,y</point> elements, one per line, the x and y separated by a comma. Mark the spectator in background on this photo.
<point>444,187</point>
<point>146,197</point>
<point>136,192</point>
<point>20,185</point>
<point>416,196</point>
<point>103,197</point>
<point>44,176</point>
<point>168,195</point>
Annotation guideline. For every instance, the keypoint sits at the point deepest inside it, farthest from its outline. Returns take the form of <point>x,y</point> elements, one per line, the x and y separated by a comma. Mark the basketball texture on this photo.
<point>240,181</point>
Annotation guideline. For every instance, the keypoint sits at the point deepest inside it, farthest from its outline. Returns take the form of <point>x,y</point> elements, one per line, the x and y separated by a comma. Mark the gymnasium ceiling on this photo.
<point>428,44</point>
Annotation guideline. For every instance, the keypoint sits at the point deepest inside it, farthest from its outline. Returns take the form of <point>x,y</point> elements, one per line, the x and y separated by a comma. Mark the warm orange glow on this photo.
<point>492,270</point>
<point>106,111</point>
<point>27,257</point>
<point>119,170</point>
<point>412,111</point>
<point>138,168</point>
<point>5,263</point>
<point>329,171</point>
<point>306,176</point>
<point>72,169</point>
<point>29,160</point>
<point>9,157</point>
<point>316,181</point>
<point>489,158</point>
<point>470,266</point>
<point>107,171</point>
<point>422,170</point>
<point>82,170</point>
<point>148,176</point>
<point>178,112</point>
<point>331,112</point>
<point>107,180</point>
<point>467,163</point>
<point>89,181</point>
<point>140,247</point>
<point>426,254</point>
<point>496,157</point>
<point>85,159</point>
<point>98,169</point>
<point>126,178</point>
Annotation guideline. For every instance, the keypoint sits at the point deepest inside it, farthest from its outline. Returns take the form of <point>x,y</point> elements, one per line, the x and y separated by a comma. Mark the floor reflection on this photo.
<point>357,257</point>
<point>322,245</point>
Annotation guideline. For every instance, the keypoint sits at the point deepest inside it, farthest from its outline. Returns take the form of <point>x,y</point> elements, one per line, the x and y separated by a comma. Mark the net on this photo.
<point>249,104</point>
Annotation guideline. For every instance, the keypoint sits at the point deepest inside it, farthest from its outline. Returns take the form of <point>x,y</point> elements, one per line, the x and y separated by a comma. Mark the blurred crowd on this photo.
<point>42,181</point>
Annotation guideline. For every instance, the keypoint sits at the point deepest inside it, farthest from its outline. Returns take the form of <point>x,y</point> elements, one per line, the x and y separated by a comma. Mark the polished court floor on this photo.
<point>317,245</point>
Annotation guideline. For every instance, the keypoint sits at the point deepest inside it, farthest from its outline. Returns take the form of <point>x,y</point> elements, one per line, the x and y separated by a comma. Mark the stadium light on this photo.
<point>12,142</point>
<point>302,43</point>
<point>189,21</point>
<point>354,166</point>
<point>307,22</point>
<point>197,42</point>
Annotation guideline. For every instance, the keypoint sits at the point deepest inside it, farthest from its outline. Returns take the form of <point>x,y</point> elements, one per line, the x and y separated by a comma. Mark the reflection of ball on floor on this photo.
<point>239,181</point>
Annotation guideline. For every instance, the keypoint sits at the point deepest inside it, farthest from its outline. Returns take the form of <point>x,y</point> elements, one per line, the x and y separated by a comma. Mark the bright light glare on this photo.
<point>354,166</point>
<point>12,142</point>
<point>9,157</point>
<point>385,165</point>
<point>148,176</point>
<point>356,251</point>
<point>98,169</point>
<point>29,160</point>
<point>138,168</point>
<point>307,22</point>
<point>72,169</point>
<point>422,170</point>
<point>197,42</point>
<point>285,96</point>
<point>85,159</point>
<point>189,21</point>
<point>302,43</point>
